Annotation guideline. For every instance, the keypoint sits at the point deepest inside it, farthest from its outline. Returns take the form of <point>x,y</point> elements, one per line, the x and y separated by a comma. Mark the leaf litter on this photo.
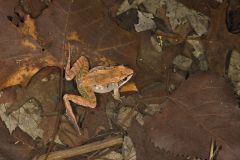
<point>234,71</point>
<point>165,28</point>
<point>145,22</point>
<point>26,118</point>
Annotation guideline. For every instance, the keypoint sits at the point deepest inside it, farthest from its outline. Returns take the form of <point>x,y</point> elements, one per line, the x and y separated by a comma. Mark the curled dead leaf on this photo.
<point>24,69</point>
<point>129,87</point>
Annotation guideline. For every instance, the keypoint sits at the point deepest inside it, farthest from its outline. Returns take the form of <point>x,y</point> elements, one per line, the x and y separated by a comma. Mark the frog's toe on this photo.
<point>92,105</point>
<point>118,98</point>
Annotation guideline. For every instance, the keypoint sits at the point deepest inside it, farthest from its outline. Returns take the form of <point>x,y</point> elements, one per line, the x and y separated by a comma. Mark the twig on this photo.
<point>83,149</point>
<point>98,153</point>
<point>214,149</point>
<point>59,106</point>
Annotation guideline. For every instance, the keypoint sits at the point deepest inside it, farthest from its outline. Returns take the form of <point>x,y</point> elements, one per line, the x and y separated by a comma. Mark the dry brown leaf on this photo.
<point>95,121</point>
<point>234,71</point>
<point>16,146</point>
<point>129,87</point>
<point>199,5</point>
<point>29,44</point>
<point>125,117</point>
<point>219,40</point>
<point>103,61</point>
<point>8,95</point>
<point>128,150</point>
<point>145,149</point>
<point>29,28</point>
<point>98,35</point>
<point>68,134</point>
<point>34,7</point>
<point>23,68</point>
<point>18,61</point>
<point>154,64</point>
<point>73,36</point>
<point>111,156</point>
<point>27,118</point>
<point>203,108</point>
<point>44,88</point>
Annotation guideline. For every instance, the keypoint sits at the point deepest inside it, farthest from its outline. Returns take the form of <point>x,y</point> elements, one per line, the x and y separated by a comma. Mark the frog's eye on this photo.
<point>124,79</point>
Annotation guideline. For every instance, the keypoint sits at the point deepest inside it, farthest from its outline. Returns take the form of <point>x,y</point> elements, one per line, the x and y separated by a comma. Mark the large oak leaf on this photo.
<point>88,25</point>
<point>21,55</point>
<point>203,108</point>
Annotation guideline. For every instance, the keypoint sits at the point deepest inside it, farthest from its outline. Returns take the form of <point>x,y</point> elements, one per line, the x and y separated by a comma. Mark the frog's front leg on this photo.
<point>116,94</point>
<point>80,101</point>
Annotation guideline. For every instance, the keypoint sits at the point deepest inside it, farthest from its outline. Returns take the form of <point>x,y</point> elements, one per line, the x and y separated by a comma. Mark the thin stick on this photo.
<point>83,149</point>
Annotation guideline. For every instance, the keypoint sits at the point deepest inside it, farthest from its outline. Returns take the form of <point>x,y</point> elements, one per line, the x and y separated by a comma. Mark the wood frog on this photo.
<point>99,79</point>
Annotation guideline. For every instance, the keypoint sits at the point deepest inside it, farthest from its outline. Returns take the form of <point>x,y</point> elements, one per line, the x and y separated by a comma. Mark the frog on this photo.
<point>100,79</point>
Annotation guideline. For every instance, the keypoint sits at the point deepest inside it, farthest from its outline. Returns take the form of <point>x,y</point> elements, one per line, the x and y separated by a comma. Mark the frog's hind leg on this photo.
<point>80,101</point>
<point>80,67</point>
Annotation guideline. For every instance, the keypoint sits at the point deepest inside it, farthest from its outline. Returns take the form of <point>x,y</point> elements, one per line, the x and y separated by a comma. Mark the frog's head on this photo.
<point>125,74</point>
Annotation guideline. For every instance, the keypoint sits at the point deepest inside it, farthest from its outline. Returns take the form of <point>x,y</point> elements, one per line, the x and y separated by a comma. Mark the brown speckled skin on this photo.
<point>99,79</point>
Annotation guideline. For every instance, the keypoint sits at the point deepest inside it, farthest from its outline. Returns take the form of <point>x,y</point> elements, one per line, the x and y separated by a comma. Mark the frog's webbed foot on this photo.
<point>80,101</point>
<point>80,64</point>
<point>116,95</point>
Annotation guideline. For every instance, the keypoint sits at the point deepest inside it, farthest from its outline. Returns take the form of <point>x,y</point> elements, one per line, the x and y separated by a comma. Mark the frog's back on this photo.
<point>100,76</point>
